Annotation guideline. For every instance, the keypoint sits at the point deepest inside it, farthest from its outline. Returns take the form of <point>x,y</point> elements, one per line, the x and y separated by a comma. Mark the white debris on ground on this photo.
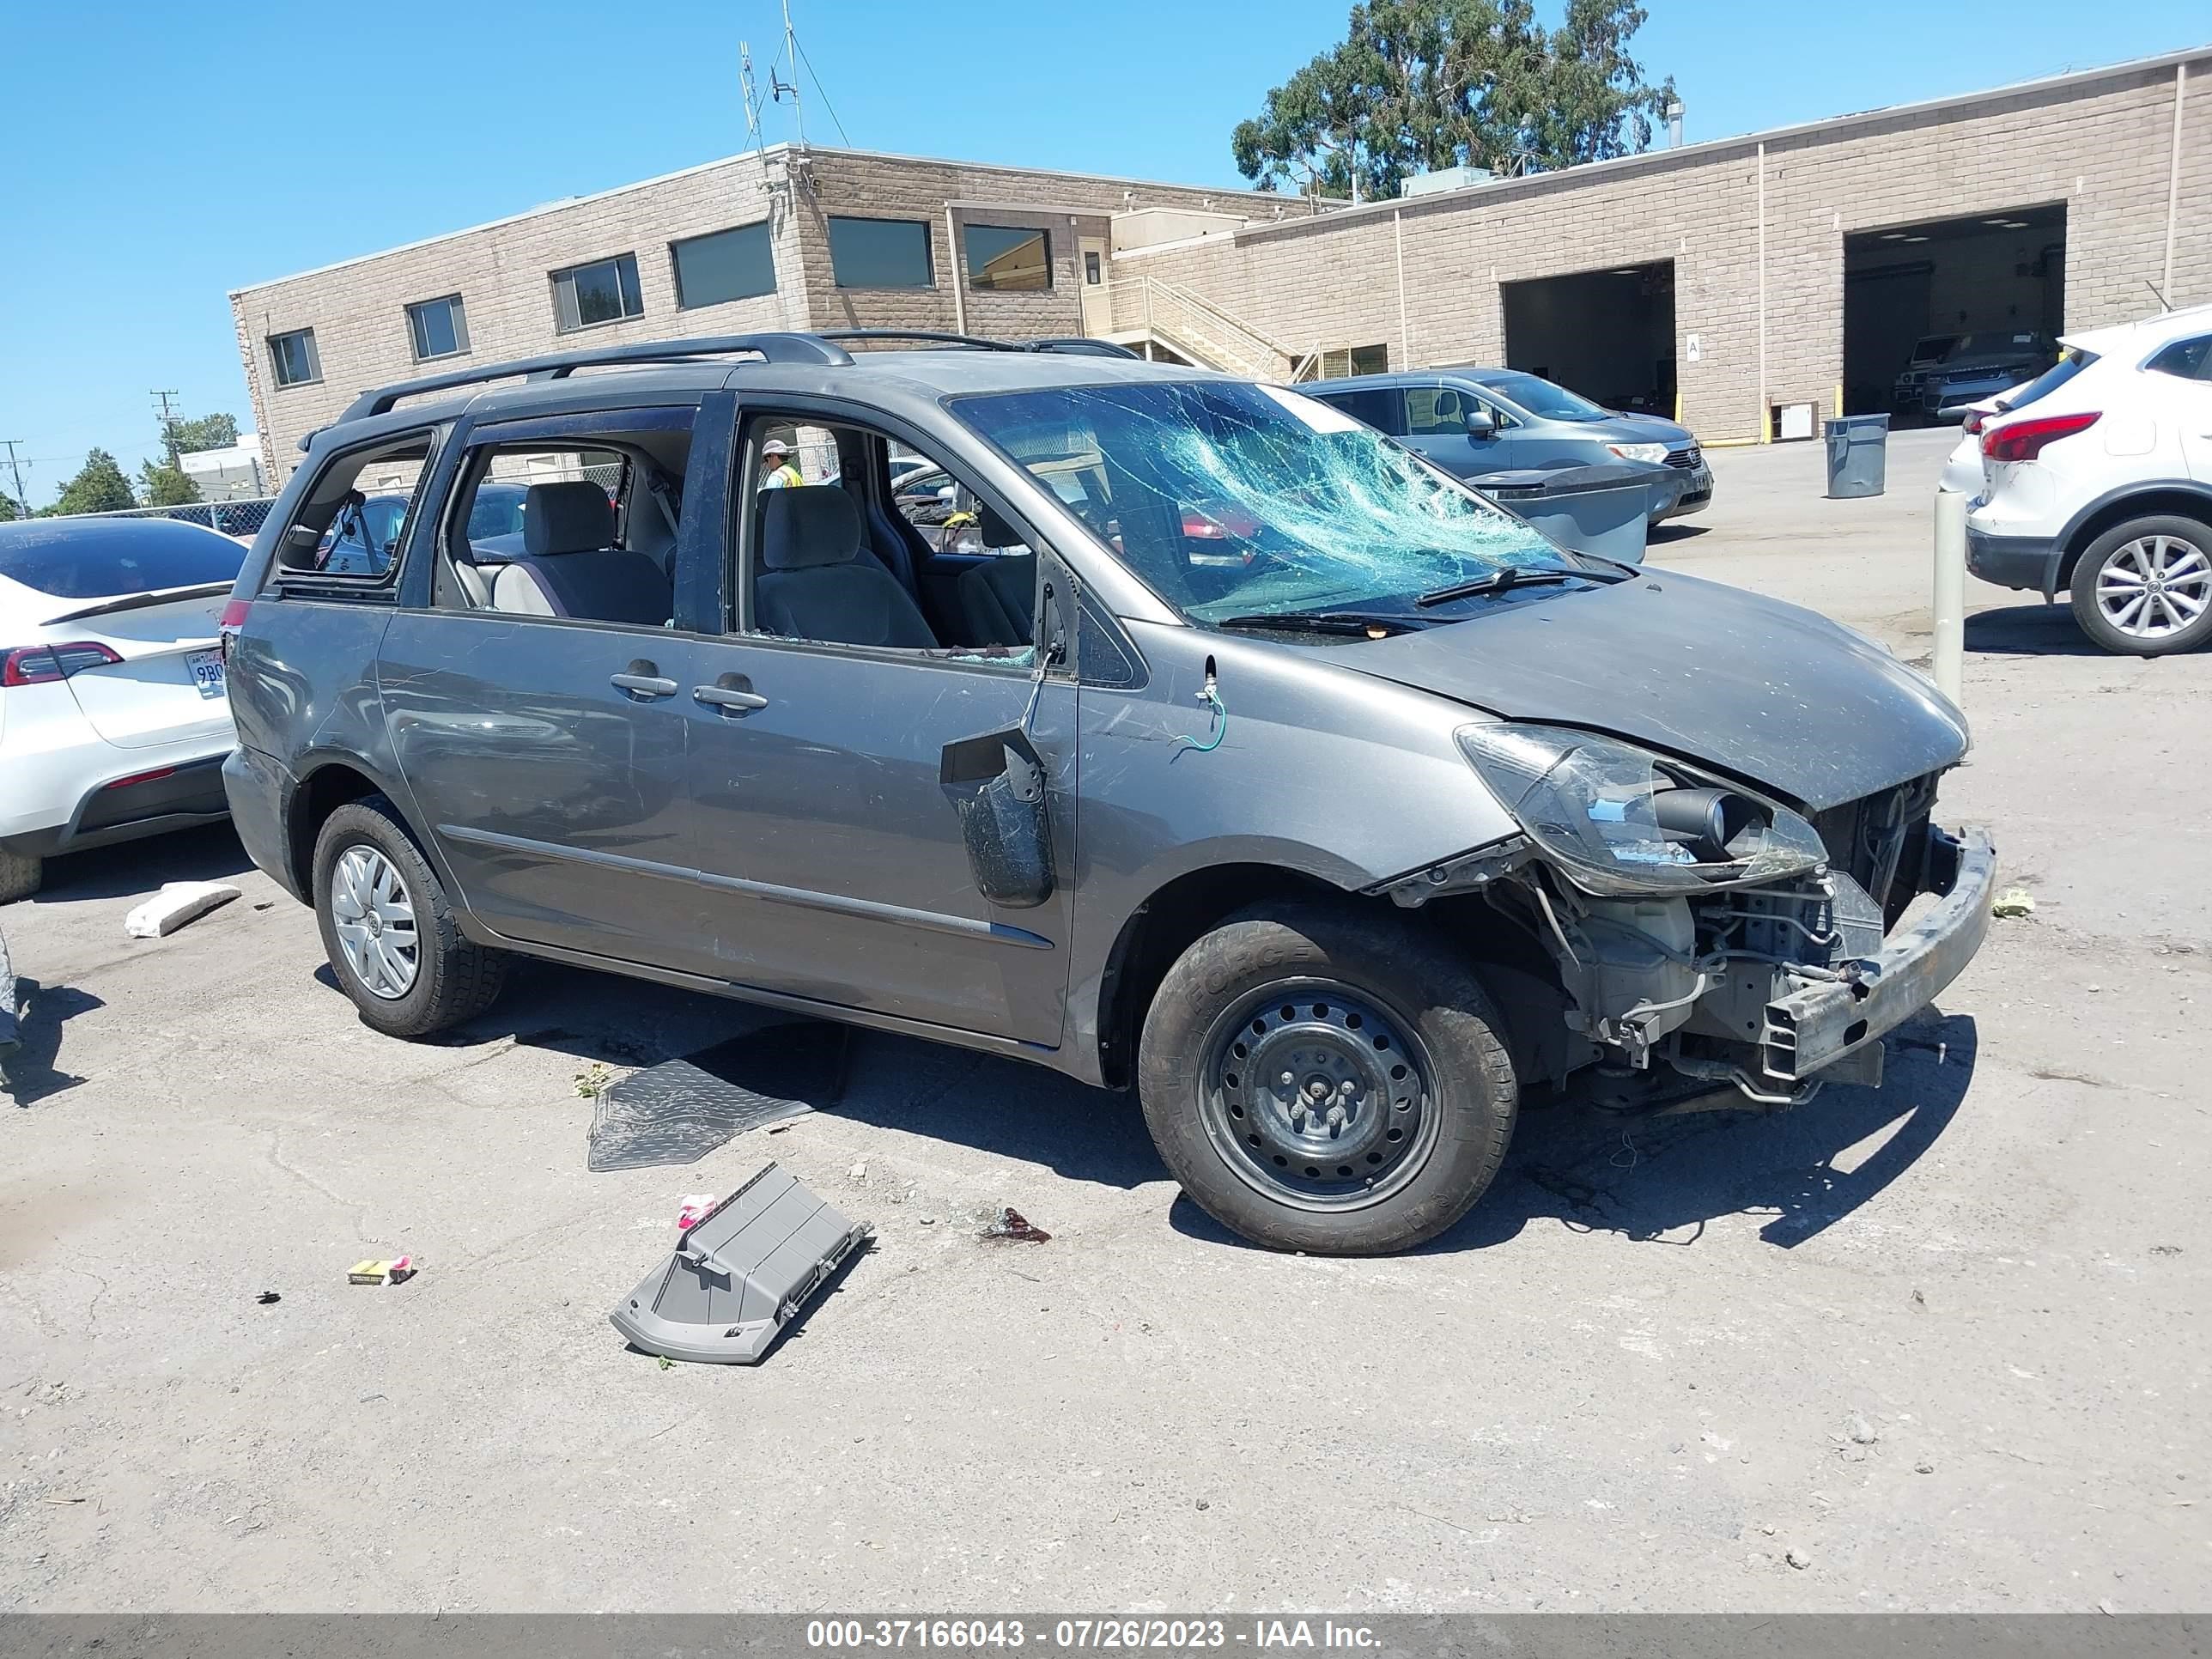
<point>176,903</point>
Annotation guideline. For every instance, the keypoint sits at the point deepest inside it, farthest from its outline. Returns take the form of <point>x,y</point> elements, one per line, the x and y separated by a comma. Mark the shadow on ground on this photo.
<point>132,867</point>
<point>2030,631</point>
<point>1660,534</point>
<point>1659,1179</point>
<point>30,1075</point>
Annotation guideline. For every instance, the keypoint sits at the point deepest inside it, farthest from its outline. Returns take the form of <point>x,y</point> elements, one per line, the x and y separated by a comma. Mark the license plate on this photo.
<point>206,669</point>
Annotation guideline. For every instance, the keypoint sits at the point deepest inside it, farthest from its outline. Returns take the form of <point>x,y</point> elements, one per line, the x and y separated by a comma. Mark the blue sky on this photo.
<point>161,156</point>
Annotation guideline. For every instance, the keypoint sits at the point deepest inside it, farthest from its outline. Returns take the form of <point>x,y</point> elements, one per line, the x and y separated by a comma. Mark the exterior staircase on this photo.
<point>1167,321</point>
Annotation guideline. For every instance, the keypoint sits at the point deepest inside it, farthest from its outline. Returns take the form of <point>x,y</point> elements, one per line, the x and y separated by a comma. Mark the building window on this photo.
<point>602,292</point>
<point>881,253</point>
<point>439,327</point>
<point>1090,274</point>
<point>293,356</point>
<point>1004,260</point>
<point>730,265</point>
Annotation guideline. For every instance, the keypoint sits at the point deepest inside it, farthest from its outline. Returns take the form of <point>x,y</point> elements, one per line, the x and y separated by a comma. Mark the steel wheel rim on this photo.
<point>1358,1117</point>
<point>2154,587</point>
<point>373,915</point>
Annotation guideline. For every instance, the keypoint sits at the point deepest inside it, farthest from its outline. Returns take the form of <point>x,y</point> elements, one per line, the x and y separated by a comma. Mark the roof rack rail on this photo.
<point>813,348</point>
<point>1073,344</point>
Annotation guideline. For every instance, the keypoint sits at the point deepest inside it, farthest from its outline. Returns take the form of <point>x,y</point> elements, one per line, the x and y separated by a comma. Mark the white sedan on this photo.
<point>113,718</point>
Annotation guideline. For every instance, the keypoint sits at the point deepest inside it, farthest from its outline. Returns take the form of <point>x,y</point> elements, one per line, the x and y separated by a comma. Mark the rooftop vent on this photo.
<point>1428,184</point>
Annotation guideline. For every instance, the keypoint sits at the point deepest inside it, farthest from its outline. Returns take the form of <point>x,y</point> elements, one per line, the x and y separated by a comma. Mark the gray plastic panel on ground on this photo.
<point>740,1273</point>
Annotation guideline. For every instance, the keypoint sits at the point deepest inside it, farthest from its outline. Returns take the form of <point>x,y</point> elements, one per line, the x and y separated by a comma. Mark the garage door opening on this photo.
<point>1992,285</point>
<point>1607,334</point>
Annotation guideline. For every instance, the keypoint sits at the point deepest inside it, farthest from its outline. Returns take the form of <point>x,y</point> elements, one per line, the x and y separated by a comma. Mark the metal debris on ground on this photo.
<point>397,1271</point>
<point>268,1298</point>
<point>680,1110</point>
<point>176,903</point>
<point>1012,1225</point>
<point>740,1274</point>
<point>2013,902</point>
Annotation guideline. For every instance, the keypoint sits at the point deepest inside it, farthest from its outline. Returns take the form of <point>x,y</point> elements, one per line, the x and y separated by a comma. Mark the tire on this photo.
<point>369,875</point>
<point>1385,1025</point>
<point>2132,586</point>
<point>20,875</point>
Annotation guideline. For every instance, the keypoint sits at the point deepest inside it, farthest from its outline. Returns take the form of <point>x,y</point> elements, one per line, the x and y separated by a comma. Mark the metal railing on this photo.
<point>1178,317</point>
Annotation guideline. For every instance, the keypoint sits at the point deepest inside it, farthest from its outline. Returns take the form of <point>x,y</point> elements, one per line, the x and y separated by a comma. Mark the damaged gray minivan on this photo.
<point>1234,753</point>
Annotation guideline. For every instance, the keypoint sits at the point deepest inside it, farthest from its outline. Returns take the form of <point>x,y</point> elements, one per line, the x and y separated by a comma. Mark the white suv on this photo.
<point>2100,482</point>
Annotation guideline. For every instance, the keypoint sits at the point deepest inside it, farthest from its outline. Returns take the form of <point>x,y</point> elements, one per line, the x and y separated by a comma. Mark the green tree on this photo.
<point>9,511</point>
<point>203,432</point>
<point>1420,84</point>
<point>166,486</point>
<point>99,487</point>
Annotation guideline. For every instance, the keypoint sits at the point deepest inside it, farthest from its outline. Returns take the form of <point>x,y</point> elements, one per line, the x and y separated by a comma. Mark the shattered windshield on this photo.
<point>1233,501</point>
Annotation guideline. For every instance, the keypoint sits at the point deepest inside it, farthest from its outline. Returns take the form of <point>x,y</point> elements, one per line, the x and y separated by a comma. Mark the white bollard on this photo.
<point>1950,592</point>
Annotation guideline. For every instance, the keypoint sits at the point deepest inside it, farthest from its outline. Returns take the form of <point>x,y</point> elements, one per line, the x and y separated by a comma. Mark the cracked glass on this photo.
<point>1230,499</point>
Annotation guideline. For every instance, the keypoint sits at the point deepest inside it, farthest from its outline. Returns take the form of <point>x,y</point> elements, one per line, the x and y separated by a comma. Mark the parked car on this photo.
<point>113,719</point>
<point>1928,351</point>
<point>1472,421</point>
<point>2099,486</point>
<point>1333,851</point>
<point>1983,365</point>
<point>1962,467</point>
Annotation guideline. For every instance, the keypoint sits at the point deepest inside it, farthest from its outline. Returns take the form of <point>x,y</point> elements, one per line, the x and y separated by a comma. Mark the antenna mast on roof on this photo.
<point>777,87</point>
<point>751,96</point>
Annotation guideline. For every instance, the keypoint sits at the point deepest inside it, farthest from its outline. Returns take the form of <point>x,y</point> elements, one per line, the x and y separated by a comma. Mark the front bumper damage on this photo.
<point>1825,1021</point>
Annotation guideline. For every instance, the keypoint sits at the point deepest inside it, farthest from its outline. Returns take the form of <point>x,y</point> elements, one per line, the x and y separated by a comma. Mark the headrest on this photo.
<point>572,517</point>
<point>809,525</point>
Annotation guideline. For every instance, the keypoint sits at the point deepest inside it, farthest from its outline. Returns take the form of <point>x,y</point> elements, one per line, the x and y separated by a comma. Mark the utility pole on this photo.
<point>16,466</point>
<point>169,424</point>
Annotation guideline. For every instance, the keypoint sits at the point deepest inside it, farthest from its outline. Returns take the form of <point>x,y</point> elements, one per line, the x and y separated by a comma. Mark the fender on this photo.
<point>2066,547</point>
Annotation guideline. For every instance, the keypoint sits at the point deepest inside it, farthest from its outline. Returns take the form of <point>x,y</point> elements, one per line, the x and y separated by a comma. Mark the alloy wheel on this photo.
<point>2153,587</point>
<point>374,917</point>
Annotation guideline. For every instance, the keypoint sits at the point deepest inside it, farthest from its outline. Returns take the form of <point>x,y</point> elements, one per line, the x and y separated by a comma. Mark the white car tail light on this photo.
<point>39,665</point>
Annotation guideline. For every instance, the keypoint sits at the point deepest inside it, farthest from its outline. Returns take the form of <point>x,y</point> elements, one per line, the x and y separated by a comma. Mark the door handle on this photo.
<point>643,680</point>
<point>732,693</point>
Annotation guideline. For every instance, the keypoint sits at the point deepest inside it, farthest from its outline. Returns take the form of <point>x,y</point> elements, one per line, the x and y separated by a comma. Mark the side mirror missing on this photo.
<point>1481,425</point>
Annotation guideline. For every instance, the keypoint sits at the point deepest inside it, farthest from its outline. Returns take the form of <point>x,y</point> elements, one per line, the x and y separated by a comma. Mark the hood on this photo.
<point>1626,428</point>
<point>1779,696</point>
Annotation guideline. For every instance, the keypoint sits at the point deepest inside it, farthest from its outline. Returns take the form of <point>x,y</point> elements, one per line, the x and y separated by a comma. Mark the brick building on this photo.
<point>1782,274</point>
<point>779,238</point>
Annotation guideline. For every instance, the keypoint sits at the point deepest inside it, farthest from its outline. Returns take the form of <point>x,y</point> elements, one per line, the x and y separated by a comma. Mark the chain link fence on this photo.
<point>242,519</point>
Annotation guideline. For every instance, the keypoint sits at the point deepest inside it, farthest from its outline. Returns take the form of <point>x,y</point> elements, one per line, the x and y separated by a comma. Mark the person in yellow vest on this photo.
<point>783,471</point>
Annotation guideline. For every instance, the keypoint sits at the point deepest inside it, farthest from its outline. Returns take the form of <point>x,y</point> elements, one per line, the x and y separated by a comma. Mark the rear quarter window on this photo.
<point>105,559</point>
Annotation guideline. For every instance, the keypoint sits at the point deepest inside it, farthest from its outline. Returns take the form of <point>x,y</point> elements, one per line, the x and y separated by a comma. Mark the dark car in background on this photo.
<point>1475,421</point>
<point>1981,365</point>
<point>1926,352</point>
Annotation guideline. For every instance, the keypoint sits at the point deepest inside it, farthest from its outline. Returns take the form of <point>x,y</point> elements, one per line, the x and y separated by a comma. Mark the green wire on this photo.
<point>1212,696</point>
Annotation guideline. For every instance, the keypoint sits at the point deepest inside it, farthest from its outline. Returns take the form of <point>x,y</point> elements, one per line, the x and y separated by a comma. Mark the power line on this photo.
<point>168,423</point>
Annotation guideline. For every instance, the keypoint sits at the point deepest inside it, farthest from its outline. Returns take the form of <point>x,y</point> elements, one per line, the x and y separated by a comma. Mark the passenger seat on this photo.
<point>571,568</point>
<point>998,600</point>
<point>817,583</point>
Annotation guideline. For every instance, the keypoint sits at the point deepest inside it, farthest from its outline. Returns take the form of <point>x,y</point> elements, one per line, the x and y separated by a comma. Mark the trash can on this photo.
<point>1603,510</point>
<point>1858,455</point>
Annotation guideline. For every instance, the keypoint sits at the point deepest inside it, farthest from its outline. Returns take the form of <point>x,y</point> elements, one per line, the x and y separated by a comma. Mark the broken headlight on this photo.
<point>1617,819</point>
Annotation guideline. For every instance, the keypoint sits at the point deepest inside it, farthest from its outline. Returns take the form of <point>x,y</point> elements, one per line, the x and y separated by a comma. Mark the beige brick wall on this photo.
<point>358,309</point>
<point>2102,147</point>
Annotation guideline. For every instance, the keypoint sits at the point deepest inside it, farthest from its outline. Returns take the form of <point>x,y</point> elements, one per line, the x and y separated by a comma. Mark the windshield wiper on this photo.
<point>1505,576</point>
<point>1351,623</point>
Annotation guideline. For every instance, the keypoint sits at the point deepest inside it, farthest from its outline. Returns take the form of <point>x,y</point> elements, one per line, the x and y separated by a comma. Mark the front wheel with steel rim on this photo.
<point>1324,1078</point>
<point>2144,589</point>
<point>388,928</point>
